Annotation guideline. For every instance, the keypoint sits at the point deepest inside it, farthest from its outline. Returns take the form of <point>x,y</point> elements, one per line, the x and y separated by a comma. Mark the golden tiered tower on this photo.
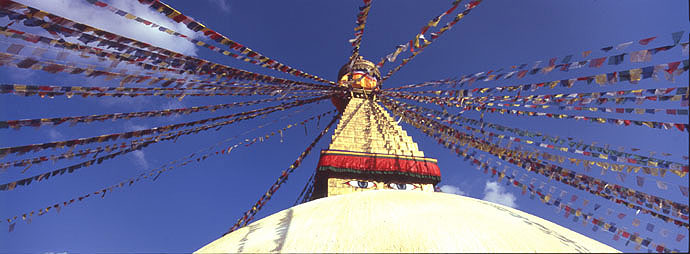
<point>370,151</point>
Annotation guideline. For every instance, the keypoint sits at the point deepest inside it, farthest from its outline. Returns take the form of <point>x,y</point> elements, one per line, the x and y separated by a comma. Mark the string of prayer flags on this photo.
<point>633,76</point>
<point>451,96</point>
<point>526,160</point>
<point>573,147</point>
<point>639,111</point>
<point>16,124</point>
<point>97,150</point>
<point>138,133</point>
<point>433,23</point>
<point>249,215</point>
<point>151,61</point>
<point>54,25</point>
<point>636,56</point>
<point>95,91</point>
<point>134,147</point>
<point>359,29</point>
<point>415,43</point>
<point>609,227</point>
<point>621,122</point>
<point>546,156</point>
<point>245,54</point>
<point>50,67</point>
<point>568,209</point>
<point>197,156</point>
<point>582,99</point>
<point>547,100</point>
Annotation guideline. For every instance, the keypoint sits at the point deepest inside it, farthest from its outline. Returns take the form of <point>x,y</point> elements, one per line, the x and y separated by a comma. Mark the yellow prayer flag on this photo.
<point>648,124</point>
<point>635,75</point>
<point>600,79</point>
<point>434,22</point>
<point>360,27</point>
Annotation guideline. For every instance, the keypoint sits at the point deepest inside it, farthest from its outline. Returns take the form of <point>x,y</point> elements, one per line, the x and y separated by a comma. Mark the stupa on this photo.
<point>374,192</point>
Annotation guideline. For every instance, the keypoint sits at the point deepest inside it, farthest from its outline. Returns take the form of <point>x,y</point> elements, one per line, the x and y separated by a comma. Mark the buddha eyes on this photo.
<point>361,184</point>
<point>402,186</point>
<point>371,185</point>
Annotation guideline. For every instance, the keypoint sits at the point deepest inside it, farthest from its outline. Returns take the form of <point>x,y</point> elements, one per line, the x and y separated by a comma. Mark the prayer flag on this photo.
<point>596,63</point>
<point>623,45</point>
<point>647,41</point>
<point>676,37</point>
<point>640,56</point>
<point>616,60</point>
<point>15,48</point>
<point>646,242</point>
<point>640,181</point>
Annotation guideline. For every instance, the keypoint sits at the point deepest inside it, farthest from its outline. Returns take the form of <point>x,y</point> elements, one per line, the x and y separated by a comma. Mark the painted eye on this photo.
<point>361,184</point>
<point>402,186</point>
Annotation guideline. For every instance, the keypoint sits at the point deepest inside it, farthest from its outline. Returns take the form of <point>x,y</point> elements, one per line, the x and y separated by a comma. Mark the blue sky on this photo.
<point>190,206</point>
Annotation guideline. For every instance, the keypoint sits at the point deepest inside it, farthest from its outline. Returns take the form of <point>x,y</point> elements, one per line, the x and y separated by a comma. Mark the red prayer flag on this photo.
<point>672,67</point>
<point>647,41</point>
<point>660,248</point>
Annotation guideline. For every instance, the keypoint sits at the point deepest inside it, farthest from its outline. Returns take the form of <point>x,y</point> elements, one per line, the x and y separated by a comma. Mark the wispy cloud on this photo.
<point>493,192</point>
<point>55,135</point>
<point>84,12</point>
<point>140,159</point>
<point>452,190</point>
<point>223,5</point>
